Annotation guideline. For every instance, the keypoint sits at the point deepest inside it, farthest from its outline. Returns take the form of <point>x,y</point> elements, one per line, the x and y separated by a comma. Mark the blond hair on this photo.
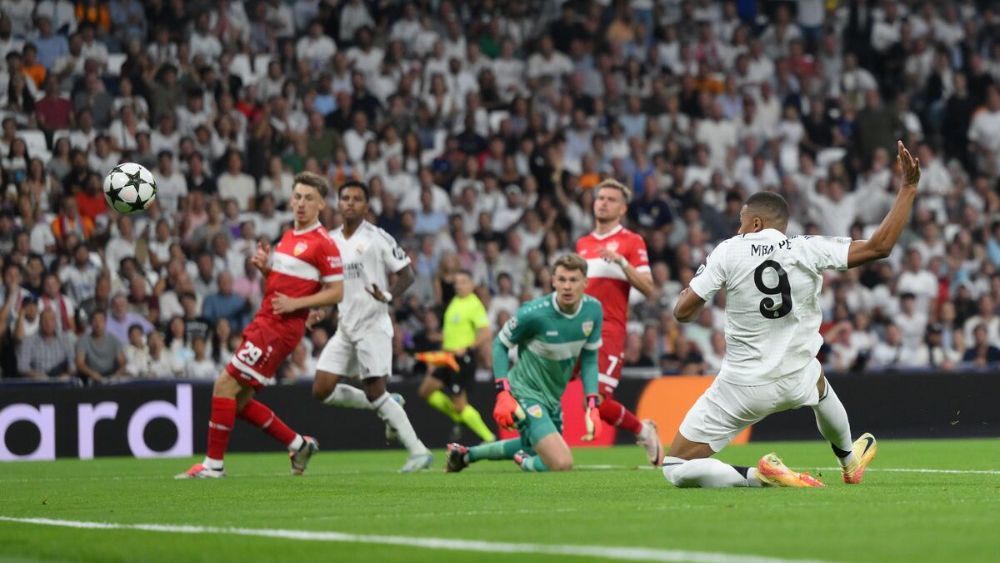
<point>615,185</point>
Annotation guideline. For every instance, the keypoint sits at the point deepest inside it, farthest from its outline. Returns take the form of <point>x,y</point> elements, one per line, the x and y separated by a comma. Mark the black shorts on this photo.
<point>456,382</point>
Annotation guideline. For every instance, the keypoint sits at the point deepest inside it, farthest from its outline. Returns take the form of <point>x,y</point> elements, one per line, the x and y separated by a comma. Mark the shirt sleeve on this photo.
<point>639,257</point>
<point>824,253</point>
<point>331,267</point>
<point>480,319</point>
<point>517,329</point>
<point>711,276</point>
<point>393,255</point>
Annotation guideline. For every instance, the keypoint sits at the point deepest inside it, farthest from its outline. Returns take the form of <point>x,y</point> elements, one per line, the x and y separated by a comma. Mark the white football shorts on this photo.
<point>364,357</point>
<point>725,409</point>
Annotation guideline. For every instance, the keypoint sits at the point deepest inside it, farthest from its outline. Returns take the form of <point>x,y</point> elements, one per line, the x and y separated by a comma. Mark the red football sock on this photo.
<point>615,414</point>
<point>220,425</point>
<point>264,418</point>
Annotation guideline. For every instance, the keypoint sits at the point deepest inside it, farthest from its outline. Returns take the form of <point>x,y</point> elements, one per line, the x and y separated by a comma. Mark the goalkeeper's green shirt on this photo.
<point>549,342</point>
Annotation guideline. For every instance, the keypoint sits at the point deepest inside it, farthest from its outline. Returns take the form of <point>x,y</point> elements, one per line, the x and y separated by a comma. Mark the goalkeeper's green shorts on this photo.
<point>539,421</point>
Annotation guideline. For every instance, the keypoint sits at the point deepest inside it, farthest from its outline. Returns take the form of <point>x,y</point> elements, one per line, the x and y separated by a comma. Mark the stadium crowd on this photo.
<point>481,128</point>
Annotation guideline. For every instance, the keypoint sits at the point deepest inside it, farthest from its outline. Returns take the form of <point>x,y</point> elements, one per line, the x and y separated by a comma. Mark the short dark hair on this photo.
<point>353,184</point>
<point>769,205</point>
<point>313,180</point>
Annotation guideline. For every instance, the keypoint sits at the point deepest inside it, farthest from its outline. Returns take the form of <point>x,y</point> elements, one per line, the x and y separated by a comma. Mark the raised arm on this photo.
<point>885,236</point>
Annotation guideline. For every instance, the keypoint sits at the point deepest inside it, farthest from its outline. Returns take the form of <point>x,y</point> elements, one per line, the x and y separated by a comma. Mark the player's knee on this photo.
<point>322,389</point>
<point>562,464</point>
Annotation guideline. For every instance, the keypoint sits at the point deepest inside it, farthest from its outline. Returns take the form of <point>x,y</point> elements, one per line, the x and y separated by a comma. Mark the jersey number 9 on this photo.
<point>768,307</point>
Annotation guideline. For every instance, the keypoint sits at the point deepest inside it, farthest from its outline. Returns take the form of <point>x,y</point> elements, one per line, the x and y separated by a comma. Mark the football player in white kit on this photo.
<point>362,345</point>
<point>773,315</point>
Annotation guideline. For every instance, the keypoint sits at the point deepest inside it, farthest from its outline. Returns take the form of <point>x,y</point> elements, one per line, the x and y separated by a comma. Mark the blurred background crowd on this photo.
<point>481,128</point>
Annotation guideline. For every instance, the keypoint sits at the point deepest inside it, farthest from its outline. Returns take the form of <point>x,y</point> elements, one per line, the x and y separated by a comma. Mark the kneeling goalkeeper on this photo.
<point>551,333</point>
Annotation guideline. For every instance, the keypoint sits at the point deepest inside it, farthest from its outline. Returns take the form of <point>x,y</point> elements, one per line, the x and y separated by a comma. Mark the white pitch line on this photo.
<point>606,467</point>
<point>482,546</point>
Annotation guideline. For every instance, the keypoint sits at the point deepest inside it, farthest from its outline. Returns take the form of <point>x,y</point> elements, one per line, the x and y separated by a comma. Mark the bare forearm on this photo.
<point>324,298</point>
<point>404,279</point>
<point>688,306</point>
<point>887,234</point>
<point>643,281</point>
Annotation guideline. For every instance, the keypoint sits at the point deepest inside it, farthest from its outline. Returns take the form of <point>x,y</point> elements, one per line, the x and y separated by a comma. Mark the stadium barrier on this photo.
<point>168,418</point>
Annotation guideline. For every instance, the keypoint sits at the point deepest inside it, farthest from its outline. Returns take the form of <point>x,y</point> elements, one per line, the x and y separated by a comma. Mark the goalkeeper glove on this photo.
<point>592,419</point>
<point>507,407</point>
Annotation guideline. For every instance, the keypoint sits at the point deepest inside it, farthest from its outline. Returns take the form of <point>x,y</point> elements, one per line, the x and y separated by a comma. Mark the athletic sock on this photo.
<point>833,424</point>
<point>220,426</point>
<point>344,395</point>
<point>503,449</point>
<point>262,417</point>
<point>471,418</point>
<point>443,403</point>
<point>534,463</point>
<point>615,414</point>
<point>706,473</point>
<point>393,414</point>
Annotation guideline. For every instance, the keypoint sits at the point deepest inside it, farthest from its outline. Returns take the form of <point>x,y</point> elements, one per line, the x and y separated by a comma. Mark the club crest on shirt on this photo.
<point>300,247</point>
<point>535,411</point>
<point>613,246</point>
<point>588,327</point>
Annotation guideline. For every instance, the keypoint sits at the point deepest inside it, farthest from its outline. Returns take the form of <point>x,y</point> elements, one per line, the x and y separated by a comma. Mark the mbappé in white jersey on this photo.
<point>369,256</point>
<point>773,312</point>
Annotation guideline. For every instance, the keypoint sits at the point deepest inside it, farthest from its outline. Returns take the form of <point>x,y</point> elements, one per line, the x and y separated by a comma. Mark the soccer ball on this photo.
<point>129,188</point>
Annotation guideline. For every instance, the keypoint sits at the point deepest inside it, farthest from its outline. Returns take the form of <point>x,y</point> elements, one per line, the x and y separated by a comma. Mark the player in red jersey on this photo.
<point>305,272</point>
<point>616,262</point>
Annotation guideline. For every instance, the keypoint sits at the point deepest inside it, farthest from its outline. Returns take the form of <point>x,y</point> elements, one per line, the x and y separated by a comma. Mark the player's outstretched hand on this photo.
<point>283,304</point>
<point>592,420</point>
<point>909,167</point>
<point>260,257</point>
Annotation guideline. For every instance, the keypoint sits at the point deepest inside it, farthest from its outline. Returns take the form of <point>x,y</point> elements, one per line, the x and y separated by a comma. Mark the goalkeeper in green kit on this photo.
<point>551,333</point>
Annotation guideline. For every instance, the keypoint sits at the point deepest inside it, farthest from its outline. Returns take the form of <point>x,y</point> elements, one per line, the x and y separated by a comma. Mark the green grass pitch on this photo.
<point>921,501</point>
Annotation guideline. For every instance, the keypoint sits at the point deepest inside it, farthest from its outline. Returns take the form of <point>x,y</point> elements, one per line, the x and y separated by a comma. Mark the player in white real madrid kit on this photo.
<point>773,315</point>
<point>362,345</point>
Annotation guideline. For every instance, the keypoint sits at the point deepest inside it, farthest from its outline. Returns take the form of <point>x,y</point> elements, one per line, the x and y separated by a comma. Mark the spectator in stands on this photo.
<point>986,316</point>
<point>225,304</point>
<point>121,320</point>
<point>981,353</point>
<point>99,355</point>
<point>137,358</point>
<point>61,305</point>
<point>200,364</point>
<point>47,354</point>
<point>162,364</point>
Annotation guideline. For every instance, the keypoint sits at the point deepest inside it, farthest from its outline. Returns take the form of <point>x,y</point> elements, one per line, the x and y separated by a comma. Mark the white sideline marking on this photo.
<point>624,553</point>
<point>606,467</point>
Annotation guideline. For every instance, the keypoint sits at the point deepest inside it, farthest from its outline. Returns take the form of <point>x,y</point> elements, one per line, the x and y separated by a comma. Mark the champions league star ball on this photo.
<point>129,188</point>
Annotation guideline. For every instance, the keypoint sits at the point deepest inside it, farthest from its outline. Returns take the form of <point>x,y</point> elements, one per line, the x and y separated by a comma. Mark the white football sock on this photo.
<point>706,473</point>
<point>393,414</point>
<point>345,395</point>
<point>831,419</point>
<point>296,444</point>
<point>210,463</point>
